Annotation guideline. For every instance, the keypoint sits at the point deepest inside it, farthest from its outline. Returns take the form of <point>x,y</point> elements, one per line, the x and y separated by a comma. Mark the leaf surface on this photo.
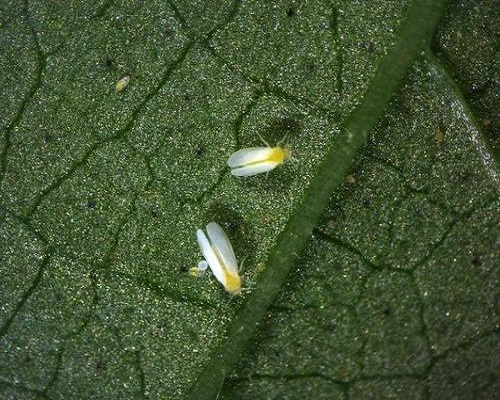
<point>101,194</point>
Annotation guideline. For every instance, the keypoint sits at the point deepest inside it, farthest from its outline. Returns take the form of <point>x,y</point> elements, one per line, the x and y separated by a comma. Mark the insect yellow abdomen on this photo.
<point>233,283</point>
<point>279,155</point>
<point>219,256</point>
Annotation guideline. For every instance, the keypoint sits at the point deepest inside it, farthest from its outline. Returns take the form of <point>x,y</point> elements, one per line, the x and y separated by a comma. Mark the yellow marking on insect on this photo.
<point>279,154</point>
<point>122,84</point>
<point>219,256</point>
<point>232,283</point>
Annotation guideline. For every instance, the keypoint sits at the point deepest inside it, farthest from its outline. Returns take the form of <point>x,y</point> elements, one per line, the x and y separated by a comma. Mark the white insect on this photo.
<point>219,256</point>
<point>255,160</point>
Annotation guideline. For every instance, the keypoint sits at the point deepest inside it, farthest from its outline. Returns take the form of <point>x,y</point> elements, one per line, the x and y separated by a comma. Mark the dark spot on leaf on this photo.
<point>365,202</point>
<point>290,13</point>
<point>476,261</point>
<point>330,326</point>
<point>441,327</point>
<point>387,311</point>
<point>192,333</point>
<point>461,176</point>
<point>420,213</point>
<point>492,378</point>
<point>227,217</point>
<point>336,266</point>
<point>169,32</point>
<point>162,326</point>
<point>199,151</point>
<point>311,67</point>
<point>100,365</point>
<point>280,127</point>
<point>153,212</point>
<point>473,87</point>
<point>129,309</point>
<point>478,89</point>
<point>290,124</point>
<point>384,124</point>
<point>370,47</point>
<point>91,204</point>
<point>109,62</point>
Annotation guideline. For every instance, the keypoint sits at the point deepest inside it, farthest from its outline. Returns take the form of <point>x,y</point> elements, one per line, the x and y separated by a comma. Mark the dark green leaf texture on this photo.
<point>396,292</point>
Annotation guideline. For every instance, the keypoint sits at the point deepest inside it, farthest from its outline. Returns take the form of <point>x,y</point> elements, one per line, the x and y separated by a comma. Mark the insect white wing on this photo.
<point>221,242</point>
<point>254,169</point>
<point>213,261</point>
<point>248,156</point>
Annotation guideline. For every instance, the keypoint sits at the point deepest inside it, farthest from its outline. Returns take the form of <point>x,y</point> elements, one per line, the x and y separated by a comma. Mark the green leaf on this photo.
<point>101,193</point>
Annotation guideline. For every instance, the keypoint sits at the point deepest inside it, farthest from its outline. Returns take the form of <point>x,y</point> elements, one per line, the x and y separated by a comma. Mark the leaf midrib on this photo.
<point>414,35</point>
